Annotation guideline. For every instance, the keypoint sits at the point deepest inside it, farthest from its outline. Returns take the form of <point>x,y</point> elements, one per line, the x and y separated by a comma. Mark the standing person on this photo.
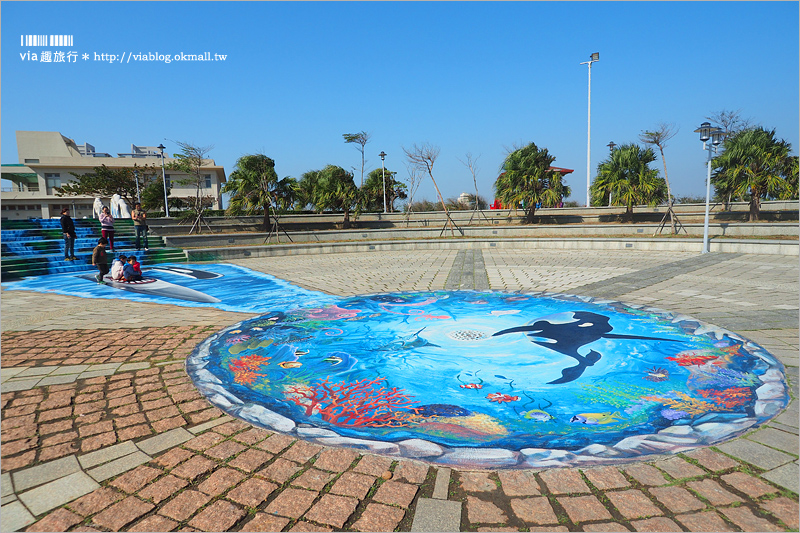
<point>100,259</point>
<point>68,228</point>
<point>140,225</point>
<point>107,225</point>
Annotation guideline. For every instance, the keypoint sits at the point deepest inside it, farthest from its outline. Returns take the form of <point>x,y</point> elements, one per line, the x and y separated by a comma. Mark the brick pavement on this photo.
<point>103,431</point>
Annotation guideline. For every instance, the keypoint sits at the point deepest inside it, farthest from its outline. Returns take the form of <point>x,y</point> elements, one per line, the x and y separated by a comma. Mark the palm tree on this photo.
<point>331,188</point>
<point>255,188</point>
<point>528,180</point>
<point>627,177</point>
<point>753,165</point>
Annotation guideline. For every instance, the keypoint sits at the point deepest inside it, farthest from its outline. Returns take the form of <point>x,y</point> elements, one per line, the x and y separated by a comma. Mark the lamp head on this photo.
<point>595,56</point>
<point>383,155</point>
<point>716,137</point>
<point>705,131</point>
<point>161,147</point>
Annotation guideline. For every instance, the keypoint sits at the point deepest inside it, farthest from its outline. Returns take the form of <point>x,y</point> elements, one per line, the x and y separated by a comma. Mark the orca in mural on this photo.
<point>566,337</point>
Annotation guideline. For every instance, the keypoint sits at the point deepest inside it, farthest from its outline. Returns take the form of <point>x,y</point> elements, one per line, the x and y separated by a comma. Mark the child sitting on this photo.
<point>136,266</point>
<point>117,266</point>
<point>129,271</point>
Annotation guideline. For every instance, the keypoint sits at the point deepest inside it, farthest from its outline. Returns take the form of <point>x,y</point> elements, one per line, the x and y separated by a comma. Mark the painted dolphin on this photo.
<point>157,287</point>
<point>566,337</point>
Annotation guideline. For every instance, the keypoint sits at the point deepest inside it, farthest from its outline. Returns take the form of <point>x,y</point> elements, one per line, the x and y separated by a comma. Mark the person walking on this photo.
<point>68,228</point>
<point>140,225</point>
<point>100,259</point>
<point>107,226</point>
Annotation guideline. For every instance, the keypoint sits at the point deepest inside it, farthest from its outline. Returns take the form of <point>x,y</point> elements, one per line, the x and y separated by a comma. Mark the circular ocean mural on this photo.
<point>491,379</point>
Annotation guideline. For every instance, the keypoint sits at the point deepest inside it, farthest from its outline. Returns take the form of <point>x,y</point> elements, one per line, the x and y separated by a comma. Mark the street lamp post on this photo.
<point>611,147</point>
<point>164,179</point>
<point>383,170</point>
<point>136,177</point>
<point>594,57</point>
<point>715,134</point>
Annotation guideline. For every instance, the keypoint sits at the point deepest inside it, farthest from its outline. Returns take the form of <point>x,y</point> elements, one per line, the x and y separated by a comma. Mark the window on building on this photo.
<point>208,181</point>
<point>53,180</point>
<point>166,178</point>
<point>31,161</point>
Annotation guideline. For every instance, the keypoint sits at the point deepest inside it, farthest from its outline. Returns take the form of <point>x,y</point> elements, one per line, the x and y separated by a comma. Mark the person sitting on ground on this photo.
<point>136,266</point>
<point>100,259</point>
<point>129,272</point>
<point>117,266</point>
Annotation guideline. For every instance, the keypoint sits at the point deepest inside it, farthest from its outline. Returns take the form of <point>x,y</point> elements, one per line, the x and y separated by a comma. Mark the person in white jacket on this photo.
<point>117,267</point>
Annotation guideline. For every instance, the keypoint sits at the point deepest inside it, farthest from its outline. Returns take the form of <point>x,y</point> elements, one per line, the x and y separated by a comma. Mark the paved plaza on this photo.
<point>102,429</point>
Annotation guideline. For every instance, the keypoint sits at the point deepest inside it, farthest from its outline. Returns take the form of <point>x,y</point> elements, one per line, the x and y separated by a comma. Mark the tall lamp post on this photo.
<point>383,170</point>
<point>594,57</point>
<point>715,134</point>
<point>136,177</point>
<point>611,147</point>
<point>164,179</point>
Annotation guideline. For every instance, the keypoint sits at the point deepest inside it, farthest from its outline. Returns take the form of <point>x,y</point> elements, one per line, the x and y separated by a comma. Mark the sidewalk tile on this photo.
<point>118,466</point>
<point>58,520</point>
<point>122,513</point>
<point>476,482</point>
<point>703,521</point>
<point>291,503</point>
<point>43,473</point>
<point>584,508</point>
<point>534,510</point>
<point>484,512</point>
<point>95,501</point>
<point>755,453</point>
<point>252,492</point>
<point>266,522</point>
<point>164,441</point>
<point>332,510</point>
<point>655,524</point>
<point>633,503</point>
<point>377,517</point>
<point>57,493</point>
<point>745,519</point>
<point>396,493</point>
<point>713,492</point>
<point>677,499</point>
<point>107,454</point>
<point>219,516</point>
<point>14,516</point>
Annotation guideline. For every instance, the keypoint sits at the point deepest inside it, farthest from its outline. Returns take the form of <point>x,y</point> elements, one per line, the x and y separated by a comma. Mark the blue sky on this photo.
<point>479,77</point>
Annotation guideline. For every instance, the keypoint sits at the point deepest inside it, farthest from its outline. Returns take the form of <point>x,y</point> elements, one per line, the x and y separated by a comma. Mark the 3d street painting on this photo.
<point>481,379</point>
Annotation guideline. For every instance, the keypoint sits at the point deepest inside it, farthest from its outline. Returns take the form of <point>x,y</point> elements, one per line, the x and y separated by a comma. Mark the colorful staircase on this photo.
<point>36,247</point>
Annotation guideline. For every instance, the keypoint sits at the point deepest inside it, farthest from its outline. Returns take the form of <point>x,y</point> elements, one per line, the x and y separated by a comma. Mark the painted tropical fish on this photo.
<point>537,415</point>
<point>597,418</point>
<point>471,386</point>
<point>656,374</point>
<point>567,333</point>
<point>290,364</point>
<point>499,397</point>
<point>409,342</point>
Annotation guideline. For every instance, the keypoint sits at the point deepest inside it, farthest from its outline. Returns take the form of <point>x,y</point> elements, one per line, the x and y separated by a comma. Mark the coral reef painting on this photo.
<point>491,378</point>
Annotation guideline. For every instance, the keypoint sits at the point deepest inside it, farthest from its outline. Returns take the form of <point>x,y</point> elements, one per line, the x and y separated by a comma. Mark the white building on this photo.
<point>47,160</point>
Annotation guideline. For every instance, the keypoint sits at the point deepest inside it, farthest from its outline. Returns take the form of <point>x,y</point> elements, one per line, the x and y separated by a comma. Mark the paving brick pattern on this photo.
<point>229,476</point>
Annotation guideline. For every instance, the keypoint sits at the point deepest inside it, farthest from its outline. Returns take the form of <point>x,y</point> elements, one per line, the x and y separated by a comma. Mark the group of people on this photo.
<point>107,230</point>
<point>123,268</point>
